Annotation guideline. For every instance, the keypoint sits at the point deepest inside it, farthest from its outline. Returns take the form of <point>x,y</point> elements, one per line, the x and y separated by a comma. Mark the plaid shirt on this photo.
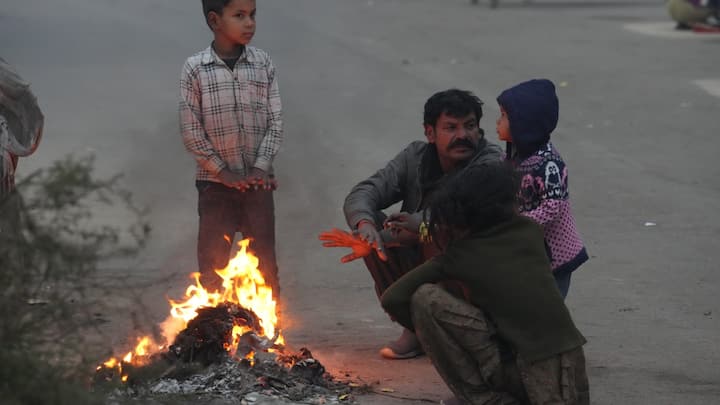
<point>230,118</point>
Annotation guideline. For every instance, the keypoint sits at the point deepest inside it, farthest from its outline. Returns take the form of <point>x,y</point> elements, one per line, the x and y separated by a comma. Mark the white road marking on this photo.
<point>666,29</point>
<point>712,86</point>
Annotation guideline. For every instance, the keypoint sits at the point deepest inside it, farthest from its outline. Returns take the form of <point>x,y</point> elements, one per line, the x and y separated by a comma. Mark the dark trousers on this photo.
<point>464,348</point>
<point>224,211</point>
<point>400,260</point>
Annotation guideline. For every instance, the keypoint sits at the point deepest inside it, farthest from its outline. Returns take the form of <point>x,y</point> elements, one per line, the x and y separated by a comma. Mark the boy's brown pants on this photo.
<point>224,211</point>
<point>463,347</point>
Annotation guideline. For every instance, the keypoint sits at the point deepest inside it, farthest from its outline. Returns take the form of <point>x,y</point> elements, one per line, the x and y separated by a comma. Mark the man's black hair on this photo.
<point>454,102</point>
<point>213,5</point>
<point>474,199</point>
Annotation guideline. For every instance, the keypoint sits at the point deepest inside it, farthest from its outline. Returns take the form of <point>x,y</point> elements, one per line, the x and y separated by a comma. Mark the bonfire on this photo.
<point>234,330</point>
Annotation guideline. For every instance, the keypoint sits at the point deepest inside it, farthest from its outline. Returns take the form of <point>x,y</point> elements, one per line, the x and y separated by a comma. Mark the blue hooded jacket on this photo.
<point>532,109</point>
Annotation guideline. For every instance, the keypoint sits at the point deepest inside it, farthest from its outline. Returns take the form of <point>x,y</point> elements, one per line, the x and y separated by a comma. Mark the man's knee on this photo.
<point>425,294</point>
<point>424,298</point>
<point>386,272</point>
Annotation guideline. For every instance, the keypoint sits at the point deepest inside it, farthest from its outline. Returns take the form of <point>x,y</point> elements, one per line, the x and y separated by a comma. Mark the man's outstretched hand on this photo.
<point>360,247</point>
<point>367,231</point>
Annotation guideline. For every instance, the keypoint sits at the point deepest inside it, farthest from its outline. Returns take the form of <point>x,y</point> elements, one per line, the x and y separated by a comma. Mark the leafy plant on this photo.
<point>56,231</point>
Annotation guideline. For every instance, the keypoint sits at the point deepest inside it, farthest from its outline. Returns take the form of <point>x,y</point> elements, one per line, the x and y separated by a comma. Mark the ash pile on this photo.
<point>198,368</point>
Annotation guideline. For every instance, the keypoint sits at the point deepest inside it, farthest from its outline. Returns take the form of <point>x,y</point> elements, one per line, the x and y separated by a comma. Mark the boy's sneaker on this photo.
<point>405,347</point>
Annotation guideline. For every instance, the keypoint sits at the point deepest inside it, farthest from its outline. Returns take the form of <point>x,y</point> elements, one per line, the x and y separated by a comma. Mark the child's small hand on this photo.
<point>258,179</point>
<point>234,180</point>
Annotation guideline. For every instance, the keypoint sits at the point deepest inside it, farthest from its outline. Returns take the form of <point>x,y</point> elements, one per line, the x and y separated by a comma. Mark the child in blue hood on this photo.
<point>528,114</point>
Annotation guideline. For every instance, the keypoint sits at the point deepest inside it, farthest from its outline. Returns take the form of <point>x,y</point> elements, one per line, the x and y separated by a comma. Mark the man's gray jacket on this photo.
<point>402,180</point>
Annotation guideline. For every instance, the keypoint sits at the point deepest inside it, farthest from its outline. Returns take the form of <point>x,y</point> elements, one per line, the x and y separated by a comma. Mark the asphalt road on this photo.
<point>638,128</point>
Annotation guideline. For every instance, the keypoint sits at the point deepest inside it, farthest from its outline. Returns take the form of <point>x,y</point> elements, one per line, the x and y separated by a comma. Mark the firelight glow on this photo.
<point>243,284</point>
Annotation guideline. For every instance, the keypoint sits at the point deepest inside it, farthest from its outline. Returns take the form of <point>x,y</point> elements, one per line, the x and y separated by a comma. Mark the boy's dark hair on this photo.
<point>453,102</point>
<point>213,5</point>
<point>474,199</point>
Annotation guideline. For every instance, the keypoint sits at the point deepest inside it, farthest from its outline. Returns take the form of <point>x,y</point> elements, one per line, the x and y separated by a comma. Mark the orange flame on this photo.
<point>243,284</point>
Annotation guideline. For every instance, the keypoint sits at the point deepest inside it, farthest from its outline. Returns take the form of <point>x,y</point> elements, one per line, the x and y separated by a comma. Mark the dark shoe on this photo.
<point>683,26</point>
<point>405,347</point>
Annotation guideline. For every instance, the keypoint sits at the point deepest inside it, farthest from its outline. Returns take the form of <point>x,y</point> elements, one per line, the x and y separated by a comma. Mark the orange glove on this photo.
<point>339,238</point>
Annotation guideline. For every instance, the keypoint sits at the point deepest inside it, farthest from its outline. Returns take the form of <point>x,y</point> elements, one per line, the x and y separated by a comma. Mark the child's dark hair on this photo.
<point>476,198</point>
<point>454,102</point>
<point>213,5</point>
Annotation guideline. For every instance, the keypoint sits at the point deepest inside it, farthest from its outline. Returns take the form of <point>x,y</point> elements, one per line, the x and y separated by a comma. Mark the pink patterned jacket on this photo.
<point>544,198</point>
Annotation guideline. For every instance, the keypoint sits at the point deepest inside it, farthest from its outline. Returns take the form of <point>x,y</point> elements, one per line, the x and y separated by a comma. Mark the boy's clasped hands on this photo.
<point>257,179</point>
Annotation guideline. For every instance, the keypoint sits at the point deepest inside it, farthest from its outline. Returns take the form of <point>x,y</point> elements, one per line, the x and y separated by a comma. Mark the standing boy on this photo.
<point>231,121</point>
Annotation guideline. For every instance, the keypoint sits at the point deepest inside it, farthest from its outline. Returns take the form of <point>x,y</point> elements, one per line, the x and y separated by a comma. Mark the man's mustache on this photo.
<point>466,143</point>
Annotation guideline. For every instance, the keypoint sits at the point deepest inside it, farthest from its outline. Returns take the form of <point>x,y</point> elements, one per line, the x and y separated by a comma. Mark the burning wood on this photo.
<point>209,335</point>
<point>205,326</point>
<point>224,342</point>
<point>198,364</point>
<point>304,365</point>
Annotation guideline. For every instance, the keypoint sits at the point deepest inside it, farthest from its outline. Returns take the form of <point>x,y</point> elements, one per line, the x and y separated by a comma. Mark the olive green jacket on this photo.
<point>506,273</point>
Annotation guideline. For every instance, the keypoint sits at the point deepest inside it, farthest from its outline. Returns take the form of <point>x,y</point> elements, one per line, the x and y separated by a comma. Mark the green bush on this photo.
<point>56,231</point>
